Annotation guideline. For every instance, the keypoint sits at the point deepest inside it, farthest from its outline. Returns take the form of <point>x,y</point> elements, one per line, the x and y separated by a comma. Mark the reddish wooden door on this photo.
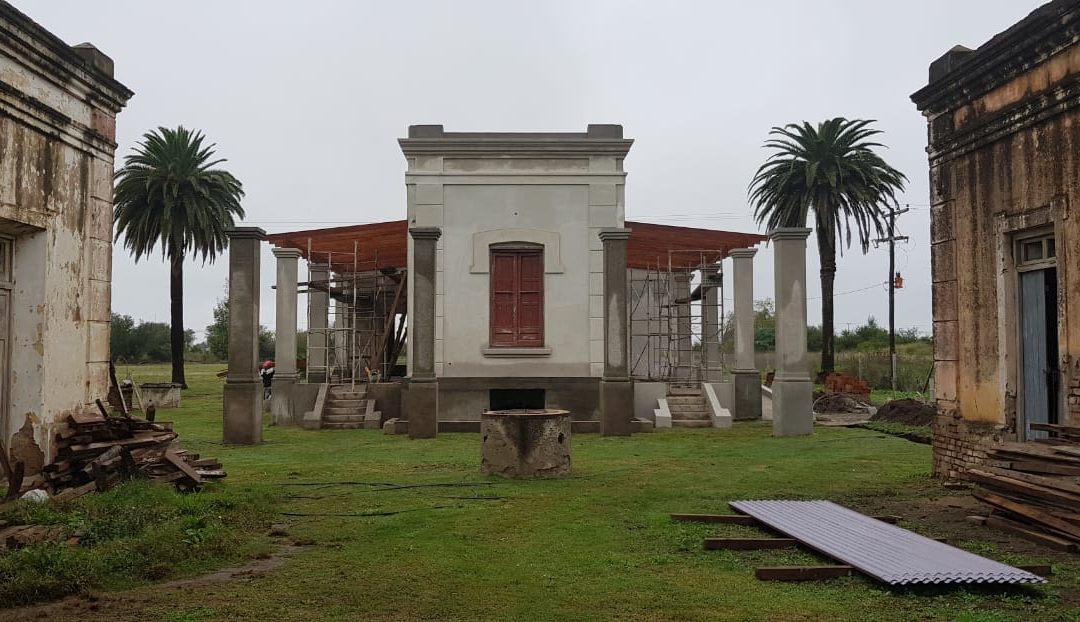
<point>517,298</point>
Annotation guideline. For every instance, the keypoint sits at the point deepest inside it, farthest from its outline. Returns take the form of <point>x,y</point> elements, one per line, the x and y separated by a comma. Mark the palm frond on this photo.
<point>169,193</point>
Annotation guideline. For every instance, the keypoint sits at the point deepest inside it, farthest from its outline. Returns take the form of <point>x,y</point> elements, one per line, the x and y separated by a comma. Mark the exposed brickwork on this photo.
<point>846,383</point>
<point>959,445</point>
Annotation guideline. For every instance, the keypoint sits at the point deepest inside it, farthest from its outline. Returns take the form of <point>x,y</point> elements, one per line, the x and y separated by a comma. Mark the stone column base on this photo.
<point>243,412</point>
<point>746,395</point>
<point>793,402</point>
<point>616,407</point>
<point>421,408</point>
<point>281,405</point>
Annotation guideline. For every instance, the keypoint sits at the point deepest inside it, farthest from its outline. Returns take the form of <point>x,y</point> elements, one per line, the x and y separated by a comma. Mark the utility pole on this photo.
<point>892,240</point>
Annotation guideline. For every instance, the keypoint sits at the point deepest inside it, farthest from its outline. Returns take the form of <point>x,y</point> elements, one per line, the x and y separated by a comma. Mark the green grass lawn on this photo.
<point>596,546</point>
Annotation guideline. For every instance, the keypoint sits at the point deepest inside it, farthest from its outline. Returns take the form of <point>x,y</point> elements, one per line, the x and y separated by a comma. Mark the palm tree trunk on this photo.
<point>827,254</point>
<point>176,324</point>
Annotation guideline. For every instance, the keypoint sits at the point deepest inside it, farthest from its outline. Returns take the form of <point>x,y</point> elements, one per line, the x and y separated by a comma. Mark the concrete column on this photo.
<point>710,323</point>
<point>318,316</point>
<point>792,388</point>
<point>281,404</point>
<point>616,389</point>
<point>745,377</point>
<point>243,387</point>
<point>422,388</point>
<point>683,338</point>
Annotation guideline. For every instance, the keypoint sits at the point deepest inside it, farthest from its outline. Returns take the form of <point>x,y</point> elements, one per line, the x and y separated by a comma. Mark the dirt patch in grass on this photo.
<point>907,412</point>
<point>123,607</point>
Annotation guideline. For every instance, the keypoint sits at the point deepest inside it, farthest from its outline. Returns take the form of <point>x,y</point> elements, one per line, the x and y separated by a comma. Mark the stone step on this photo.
<point>672,400</point>
<point>346,395</point>
<point>683,389</point>
<point>342,426</point>
<point>691,423</point>
<point>343,419</point>
<point>690,416</point>
<point>330,410</point>
<point>341,403</point>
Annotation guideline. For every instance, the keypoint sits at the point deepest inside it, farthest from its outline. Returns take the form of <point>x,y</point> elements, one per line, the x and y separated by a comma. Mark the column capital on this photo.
<point>425,233</point>
<point>614,234</point>
<point>742,253</point>
<point>789,233</point>
<point>245,233</point>
<point>286,253</point>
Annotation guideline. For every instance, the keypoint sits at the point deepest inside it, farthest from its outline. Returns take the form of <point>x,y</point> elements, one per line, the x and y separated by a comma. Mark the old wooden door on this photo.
<point>1038,348</point>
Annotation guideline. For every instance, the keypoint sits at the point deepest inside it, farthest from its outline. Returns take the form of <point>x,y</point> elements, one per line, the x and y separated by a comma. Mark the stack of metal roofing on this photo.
<point>886,552</point>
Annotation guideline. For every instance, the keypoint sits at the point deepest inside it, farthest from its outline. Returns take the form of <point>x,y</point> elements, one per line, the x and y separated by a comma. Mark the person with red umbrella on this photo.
<point>267,373</point>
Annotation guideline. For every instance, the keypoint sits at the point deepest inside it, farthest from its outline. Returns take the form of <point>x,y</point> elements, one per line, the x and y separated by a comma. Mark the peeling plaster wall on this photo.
<point>58,106</point>
<point>1004,160</point>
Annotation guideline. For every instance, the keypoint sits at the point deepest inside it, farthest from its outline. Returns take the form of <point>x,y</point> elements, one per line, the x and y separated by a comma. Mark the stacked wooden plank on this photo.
<point>1033,488</point>
<point>97,452</point>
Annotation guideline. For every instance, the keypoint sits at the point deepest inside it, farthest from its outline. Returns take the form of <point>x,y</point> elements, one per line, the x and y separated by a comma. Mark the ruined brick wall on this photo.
<point>1004,129</point>
<point>959,444</point>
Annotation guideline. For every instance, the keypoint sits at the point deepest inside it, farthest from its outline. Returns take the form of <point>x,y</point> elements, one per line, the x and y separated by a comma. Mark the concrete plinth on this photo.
<point>282,405</point>
<point>746,395</point>
<point>243,387</point>
<point>525,444</point>
<point>421,407</point>
<point>243,412</point>
<point>616,407</point>
<point>792,407</point>
<point>792,388</point>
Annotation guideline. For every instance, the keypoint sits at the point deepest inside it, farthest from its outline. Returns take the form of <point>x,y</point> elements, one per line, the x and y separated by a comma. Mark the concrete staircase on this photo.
<point>689,407</point>
<point>348,408</point>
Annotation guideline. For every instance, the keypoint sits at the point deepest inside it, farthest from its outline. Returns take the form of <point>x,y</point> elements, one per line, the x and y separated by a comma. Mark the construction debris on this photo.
<point>1033,488</point>
<point>906,411</point>
<point>98,452</point>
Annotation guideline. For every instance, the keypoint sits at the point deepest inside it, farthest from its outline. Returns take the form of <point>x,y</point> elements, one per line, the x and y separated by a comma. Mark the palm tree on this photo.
<point>832,171</point>
<point>169,192</point>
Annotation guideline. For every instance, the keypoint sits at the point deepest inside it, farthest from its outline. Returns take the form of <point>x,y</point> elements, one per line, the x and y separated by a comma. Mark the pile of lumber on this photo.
<point>96,452</point>
<point>1033,488</point>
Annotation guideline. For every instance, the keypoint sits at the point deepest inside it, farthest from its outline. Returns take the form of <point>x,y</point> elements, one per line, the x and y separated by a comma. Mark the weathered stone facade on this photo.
<point>1004,134</point>
<point>58,107</point>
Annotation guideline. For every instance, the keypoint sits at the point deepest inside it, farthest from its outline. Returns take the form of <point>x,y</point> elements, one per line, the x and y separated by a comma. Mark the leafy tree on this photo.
<point>217,334</point>
<point>143,342</point>
<point>832,172</point>
<point>170,193</point>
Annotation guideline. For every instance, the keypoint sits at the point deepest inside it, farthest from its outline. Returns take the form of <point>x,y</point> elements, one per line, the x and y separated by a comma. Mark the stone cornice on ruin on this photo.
<point>962,75</point>
<point>53,57</point>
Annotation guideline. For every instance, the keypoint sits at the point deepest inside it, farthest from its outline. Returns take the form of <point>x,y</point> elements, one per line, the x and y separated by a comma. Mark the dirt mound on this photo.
<point>841,403</point>
<point>906,411</point>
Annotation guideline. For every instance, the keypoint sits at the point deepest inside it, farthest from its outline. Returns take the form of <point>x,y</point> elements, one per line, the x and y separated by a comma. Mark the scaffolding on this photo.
<point>676,336</point>
<point>363,328</point>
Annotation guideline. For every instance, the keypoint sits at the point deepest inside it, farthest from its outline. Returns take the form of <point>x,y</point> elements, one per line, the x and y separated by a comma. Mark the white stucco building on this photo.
<point>515,281</point>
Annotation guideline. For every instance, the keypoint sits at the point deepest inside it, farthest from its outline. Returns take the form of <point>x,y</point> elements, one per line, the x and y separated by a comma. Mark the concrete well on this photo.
<point>525,444</point>
<point>160,394</point>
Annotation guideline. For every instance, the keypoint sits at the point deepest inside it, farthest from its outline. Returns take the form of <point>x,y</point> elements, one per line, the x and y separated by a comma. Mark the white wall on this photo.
<point>547,189</point>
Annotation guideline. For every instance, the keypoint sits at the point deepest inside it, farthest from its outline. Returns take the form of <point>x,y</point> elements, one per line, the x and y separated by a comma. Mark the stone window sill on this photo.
<point>515,352</point>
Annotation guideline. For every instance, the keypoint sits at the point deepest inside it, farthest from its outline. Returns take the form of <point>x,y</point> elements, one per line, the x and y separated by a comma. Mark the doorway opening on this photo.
<point>513,399</point>
<point>1038,335</point>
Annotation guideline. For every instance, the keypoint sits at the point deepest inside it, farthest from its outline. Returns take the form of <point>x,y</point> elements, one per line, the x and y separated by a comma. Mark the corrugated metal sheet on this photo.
<point>886,552</point>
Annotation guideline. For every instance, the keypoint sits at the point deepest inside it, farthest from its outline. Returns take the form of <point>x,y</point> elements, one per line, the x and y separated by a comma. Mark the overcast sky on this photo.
<point>307,99</point>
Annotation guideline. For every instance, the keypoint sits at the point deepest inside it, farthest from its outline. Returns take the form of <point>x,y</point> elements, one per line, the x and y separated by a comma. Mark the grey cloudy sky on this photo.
<point>306,100</point>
